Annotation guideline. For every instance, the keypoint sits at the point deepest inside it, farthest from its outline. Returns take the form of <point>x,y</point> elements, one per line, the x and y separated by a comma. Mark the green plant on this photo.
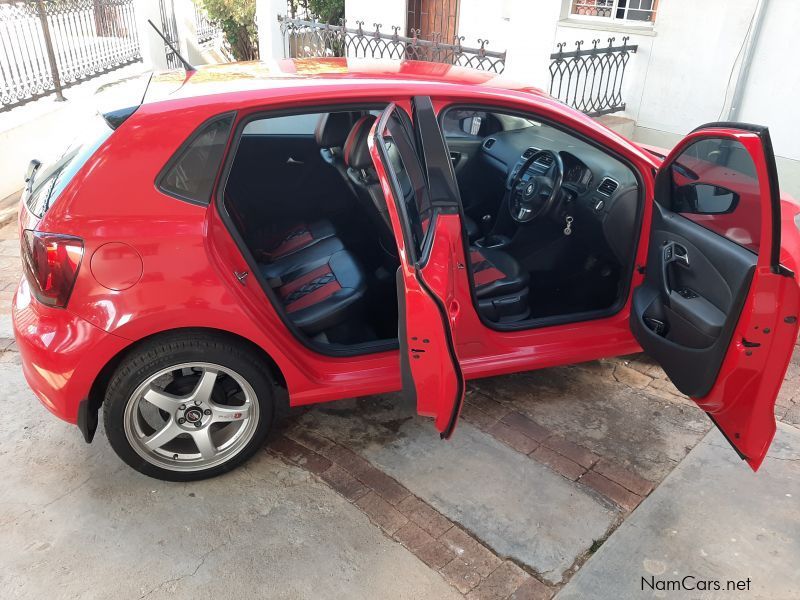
<point>327,11</point>
<point>237,18</point>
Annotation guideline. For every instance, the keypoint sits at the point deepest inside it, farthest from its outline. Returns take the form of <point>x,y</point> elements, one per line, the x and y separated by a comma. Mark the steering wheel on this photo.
<point>534,197</point>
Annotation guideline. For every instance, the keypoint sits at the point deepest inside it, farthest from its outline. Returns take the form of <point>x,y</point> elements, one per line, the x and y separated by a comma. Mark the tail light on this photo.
<point>51,263</point>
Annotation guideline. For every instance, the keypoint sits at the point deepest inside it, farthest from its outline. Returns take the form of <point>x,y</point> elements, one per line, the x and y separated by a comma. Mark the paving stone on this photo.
<point>309,439</point>
<point>461,575</point>
<point>381,512</point>
<point>412,536</point>
<point>615,492</point>
<point>469,550</point>
<point>435,554</point>
<point>560,464</point>
<point>631,377</point>
<point>344,483</point>
<point>423,515</point>
<point>526,426</point>
<point>513,437</point>
<point>532,589</point>
<point>384,485</point>
<point>624,477</point>
<point>711,518</point>
<point>300,455</point>
<point>491,407</point>
<point>571,450</point>
<point>500,584</point>
<point>516,506</point>
<point>476,416</point>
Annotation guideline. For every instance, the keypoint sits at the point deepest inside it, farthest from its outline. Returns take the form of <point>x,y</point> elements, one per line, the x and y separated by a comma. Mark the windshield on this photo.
<point>49,180</point>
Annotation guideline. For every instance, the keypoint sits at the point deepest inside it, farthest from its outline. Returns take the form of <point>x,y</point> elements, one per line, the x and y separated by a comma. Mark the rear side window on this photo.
<point>192,171</point>
<point>48,181</point>
<point>714,184</point>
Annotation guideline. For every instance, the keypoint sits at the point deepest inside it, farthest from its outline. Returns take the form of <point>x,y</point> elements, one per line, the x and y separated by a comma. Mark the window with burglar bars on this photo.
<point>632,12</point>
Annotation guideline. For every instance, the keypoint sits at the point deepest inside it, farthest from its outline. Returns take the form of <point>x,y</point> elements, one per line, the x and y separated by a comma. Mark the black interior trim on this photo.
<point>627,274</point>
<point>319,348</point>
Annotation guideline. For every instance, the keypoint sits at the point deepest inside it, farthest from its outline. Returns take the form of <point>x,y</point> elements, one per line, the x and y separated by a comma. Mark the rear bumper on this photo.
<point>61,353</point>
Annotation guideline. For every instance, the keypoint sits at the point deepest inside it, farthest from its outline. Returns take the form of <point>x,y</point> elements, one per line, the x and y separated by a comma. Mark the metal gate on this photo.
<point>169,27</point>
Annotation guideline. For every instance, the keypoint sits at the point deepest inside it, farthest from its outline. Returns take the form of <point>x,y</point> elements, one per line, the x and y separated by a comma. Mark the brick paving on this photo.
<point>460,558</point>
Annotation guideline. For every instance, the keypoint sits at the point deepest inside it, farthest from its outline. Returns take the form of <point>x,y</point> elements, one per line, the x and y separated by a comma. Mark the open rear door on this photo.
<point>427,228</point>
<point>718,308</point>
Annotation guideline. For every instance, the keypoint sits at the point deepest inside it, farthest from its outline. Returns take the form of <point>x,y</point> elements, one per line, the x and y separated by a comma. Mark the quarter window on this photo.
<point>191,174</point>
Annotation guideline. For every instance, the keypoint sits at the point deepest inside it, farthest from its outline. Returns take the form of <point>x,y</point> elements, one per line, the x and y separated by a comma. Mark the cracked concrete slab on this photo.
<point>712,518</point>
<point>75,522</point>
<point>634,426</point>
<point>515,505</point>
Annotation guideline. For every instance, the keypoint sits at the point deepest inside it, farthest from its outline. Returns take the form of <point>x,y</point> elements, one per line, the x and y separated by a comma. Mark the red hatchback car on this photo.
<point>338,228</point>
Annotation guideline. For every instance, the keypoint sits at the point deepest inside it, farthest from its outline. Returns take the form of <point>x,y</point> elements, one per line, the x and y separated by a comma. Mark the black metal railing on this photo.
<point>207,30</point>
<point>306,39</point>
<point>591,79</point>
<point>47,45</point>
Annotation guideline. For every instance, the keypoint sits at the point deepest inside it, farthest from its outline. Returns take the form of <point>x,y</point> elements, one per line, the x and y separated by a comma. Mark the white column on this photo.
<point>187,32</point>
<point>270,38</point>
<point>152,46</point>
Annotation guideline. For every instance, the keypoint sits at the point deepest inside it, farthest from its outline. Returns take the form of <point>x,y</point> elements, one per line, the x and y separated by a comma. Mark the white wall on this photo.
<point>773,86</point>
<point>386,12</point>
<point>694,57</point>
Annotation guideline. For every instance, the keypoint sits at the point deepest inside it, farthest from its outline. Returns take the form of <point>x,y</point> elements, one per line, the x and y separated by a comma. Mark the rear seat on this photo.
<point>320,286</point>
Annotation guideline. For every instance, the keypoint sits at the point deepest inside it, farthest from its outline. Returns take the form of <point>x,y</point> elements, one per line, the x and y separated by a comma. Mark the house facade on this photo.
<point>696,62</point>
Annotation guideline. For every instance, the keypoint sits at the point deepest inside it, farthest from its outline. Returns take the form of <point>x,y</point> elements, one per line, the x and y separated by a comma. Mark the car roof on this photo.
<point>290,73</point>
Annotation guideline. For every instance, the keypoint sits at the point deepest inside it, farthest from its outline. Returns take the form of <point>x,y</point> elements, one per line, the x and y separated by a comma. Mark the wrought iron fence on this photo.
<point>207,30</point>
<point>305,39</point>
<point>47,45</point>
<point>591,79</point>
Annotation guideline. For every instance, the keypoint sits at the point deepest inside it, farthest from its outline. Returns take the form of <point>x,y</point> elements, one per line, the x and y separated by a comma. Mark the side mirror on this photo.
<point>471,125</point>
<point>704,199</point>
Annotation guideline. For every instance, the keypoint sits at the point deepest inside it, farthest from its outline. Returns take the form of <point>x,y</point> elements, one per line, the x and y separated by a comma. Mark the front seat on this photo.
<point>330,134</point>
<point>501,286</point>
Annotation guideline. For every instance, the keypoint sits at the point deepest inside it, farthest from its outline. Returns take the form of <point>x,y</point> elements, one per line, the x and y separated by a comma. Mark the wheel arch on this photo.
<point>87,412</point>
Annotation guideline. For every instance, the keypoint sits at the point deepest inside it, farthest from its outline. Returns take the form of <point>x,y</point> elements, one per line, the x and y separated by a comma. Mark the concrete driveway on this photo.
<point>577,482</point>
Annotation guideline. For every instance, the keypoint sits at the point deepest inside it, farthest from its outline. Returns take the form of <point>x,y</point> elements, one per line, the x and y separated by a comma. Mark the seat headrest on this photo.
<point>356,151</point>
<point>332,128</point>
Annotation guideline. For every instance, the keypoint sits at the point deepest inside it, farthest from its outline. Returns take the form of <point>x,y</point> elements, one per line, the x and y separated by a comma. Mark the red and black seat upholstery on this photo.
<point>331,134</point>
<point>319,286</point>
<point>501,286</point>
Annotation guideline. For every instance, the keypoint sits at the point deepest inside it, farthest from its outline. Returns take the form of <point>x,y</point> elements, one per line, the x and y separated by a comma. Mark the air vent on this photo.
<point>608,186</point>
<point>529,152</point>
<point>489,143</point>
<point>545,159</point>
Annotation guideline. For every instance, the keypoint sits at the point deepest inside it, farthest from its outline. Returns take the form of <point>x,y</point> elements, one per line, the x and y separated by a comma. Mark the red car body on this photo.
<point>153,264</point>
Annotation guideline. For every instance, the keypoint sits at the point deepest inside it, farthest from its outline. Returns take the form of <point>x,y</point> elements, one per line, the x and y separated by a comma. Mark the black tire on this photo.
<point>174,349</point>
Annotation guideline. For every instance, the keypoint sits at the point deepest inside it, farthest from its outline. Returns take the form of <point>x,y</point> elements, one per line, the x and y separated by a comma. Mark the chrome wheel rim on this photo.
<point>191,416</point>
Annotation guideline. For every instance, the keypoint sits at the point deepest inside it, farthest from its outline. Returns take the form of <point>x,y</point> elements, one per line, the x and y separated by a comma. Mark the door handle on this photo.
<point>671,252</point>
<point>675,252</point>
<point>455,157</point>
<point>293,161</point>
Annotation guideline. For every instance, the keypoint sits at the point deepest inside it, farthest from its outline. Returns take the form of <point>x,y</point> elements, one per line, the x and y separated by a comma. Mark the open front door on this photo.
<point>426,223</point>
<point>718,309</point>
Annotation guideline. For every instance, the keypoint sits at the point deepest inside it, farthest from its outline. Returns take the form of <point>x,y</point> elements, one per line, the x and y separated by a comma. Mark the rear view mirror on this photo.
<point>704,199</point>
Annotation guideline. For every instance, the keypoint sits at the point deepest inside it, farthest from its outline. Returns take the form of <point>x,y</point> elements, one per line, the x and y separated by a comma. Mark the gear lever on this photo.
<point>486,226</point>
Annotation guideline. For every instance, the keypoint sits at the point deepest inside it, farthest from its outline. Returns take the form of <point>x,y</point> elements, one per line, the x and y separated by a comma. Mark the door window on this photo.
<point>714,184</point>
<point>410,182</point>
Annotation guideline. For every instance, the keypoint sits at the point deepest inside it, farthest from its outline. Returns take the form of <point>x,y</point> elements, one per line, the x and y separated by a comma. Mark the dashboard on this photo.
<point>597,188</point>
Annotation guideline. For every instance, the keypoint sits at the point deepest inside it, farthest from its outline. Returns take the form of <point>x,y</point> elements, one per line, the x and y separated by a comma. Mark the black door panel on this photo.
<point>685,313</point>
